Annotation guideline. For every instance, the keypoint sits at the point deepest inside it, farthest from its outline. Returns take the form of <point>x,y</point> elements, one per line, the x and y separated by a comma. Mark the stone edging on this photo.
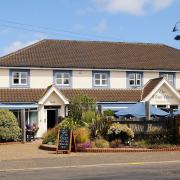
<point>110,150</point>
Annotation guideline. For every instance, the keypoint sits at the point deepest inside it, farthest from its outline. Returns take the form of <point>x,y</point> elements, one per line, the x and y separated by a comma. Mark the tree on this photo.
<point>80,104</point>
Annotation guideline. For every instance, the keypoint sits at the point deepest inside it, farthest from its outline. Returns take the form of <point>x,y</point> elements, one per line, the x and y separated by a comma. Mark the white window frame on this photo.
<point>20,78</point>
<point>167,77</point>
<point>62,78</point>
<point>135,79</point>
<point>100,79</point>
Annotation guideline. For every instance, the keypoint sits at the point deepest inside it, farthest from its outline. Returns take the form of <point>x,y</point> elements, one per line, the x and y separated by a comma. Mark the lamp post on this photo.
<point>176,29</point>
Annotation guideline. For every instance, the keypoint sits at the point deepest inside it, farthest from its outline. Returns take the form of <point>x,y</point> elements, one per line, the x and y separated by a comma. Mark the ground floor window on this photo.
<point>174,107</point>
<point>31,117</point>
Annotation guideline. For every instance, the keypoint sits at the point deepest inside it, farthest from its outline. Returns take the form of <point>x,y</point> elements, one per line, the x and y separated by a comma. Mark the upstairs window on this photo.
<point>19,78</point>
<point>134,79</point>
<point>62,78</point>
<point>100,79</point>
<point>169,77</point>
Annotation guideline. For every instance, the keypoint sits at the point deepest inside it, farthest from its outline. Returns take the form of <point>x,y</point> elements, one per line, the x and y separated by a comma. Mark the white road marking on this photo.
<point>87,166</point>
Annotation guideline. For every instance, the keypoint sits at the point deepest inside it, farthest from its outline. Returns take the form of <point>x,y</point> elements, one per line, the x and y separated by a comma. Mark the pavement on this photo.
<point>26,161</point>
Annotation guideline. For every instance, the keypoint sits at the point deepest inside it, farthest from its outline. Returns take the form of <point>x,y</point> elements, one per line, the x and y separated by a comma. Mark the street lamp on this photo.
<point>176,29</point>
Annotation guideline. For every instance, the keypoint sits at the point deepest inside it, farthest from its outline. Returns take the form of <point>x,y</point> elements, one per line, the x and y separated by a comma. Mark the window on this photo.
<point>19,78</point>
<point>169,77</point>
<point>62,78</point>
<point>101,79</point>
<point>135,79</point>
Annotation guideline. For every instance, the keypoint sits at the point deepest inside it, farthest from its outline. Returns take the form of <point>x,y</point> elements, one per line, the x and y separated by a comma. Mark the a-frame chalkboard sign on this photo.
<point>66,141</point>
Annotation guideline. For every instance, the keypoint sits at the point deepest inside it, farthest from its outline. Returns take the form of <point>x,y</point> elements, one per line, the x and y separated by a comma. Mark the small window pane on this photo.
<point>97,82</point>
<point>58,81</point>
<point>23,81</point>
<point>138,82</point>
<point>131,82</point>
<point>15,75</point>
<point>104,76</point>
<point>97,76</point>
<point>23,75</point>
<point>58,75</point>
<point>66,75</point>
<point>15,81</point>
<point>66,81</point>
<point>104,82</point>
<point>131,76</point>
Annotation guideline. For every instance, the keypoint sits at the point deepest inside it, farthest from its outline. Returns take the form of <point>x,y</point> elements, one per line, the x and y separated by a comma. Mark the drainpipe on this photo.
<point>23,125</point>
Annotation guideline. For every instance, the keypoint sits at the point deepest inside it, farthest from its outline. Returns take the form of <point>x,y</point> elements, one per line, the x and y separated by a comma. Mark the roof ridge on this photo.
<point>102,41</point>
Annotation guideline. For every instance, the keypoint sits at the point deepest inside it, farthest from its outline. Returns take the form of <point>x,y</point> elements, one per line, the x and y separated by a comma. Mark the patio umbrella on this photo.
<point>138,110</point>
<point>176,112</point>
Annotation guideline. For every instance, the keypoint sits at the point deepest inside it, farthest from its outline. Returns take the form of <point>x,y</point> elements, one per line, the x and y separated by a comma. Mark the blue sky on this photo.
<point>25,22</point>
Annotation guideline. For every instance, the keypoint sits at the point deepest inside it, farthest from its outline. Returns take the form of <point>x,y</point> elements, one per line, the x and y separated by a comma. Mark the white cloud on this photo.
<point>135,7</point>
<point>14,46</point>
<point>101,26</point>
<point>161,4</point>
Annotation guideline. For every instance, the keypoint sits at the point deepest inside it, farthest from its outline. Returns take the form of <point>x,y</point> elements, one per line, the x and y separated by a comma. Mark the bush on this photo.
<point>120,131</point>
<point>69,123</point>
<point>116,143</point>
<point>108,112</point>
<point>50,137</point>
<point>88,117</point>
<point>82,135</point>
<point>101,143</point>
<point>99,127</point>
<point>9,129</point>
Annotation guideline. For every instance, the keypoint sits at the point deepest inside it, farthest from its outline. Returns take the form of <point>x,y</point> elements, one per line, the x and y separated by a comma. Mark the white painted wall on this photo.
<point>117,79</point>
<point>82,79</point>
<point>4,78</point>
<point>150,75</point>
<point>178,81</point>
<point>41,78</point>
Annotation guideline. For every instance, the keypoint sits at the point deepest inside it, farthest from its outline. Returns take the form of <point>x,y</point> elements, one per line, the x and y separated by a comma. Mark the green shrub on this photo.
<point>88,117</point>
<point>69,123</point>
<point>9,129</point>
<point>101,143</point>
<point>99,127</point>
<point>50,137</point>
<point>142,144</point>
<point>79,104</point>
<point>120,131</point>
<point>82,135</point>
<point>108,112</point>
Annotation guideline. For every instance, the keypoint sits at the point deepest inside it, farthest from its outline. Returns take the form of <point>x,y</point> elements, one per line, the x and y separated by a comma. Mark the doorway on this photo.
<point>51,118</point>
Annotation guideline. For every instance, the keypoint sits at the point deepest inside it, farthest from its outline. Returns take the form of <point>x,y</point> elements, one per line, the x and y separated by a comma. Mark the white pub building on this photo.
<point>43,77</point>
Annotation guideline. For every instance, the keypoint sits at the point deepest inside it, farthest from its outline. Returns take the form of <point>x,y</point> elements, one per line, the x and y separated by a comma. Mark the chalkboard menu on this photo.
<point>65,141</point>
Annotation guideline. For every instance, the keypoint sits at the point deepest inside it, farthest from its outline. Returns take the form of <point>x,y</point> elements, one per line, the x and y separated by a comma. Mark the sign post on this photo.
<point>66,141</point>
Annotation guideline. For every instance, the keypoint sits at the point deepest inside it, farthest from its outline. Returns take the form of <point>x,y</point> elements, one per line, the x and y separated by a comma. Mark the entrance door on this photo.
<point>51,118</point>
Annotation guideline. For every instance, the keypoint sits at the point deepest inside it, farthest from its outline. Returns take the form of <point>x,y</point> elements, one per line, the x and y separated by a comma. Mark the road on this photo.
<point>165,165</point>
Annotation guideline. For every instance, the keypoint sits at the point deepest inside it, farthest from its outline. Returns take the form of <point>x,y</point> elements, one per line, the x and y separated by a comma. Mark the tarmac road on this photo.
<point>108,166</point>
<point>124,171</point>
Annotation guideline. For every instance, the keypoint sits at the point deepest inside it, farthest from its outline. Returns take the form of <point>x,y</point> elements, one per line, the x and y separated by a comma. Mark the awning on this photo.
<point>115,107</point>
<point>18,106</point>
<point>138,110</point>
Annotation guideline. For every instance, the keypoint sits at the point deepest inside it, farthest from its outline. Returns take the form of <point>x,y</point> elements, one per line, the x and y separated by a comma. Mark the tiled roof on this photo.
<point>106,95</point>
<point>20,95</point>
<point>150,86</point>
<point>34,95</point>
<point>94,55</point>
